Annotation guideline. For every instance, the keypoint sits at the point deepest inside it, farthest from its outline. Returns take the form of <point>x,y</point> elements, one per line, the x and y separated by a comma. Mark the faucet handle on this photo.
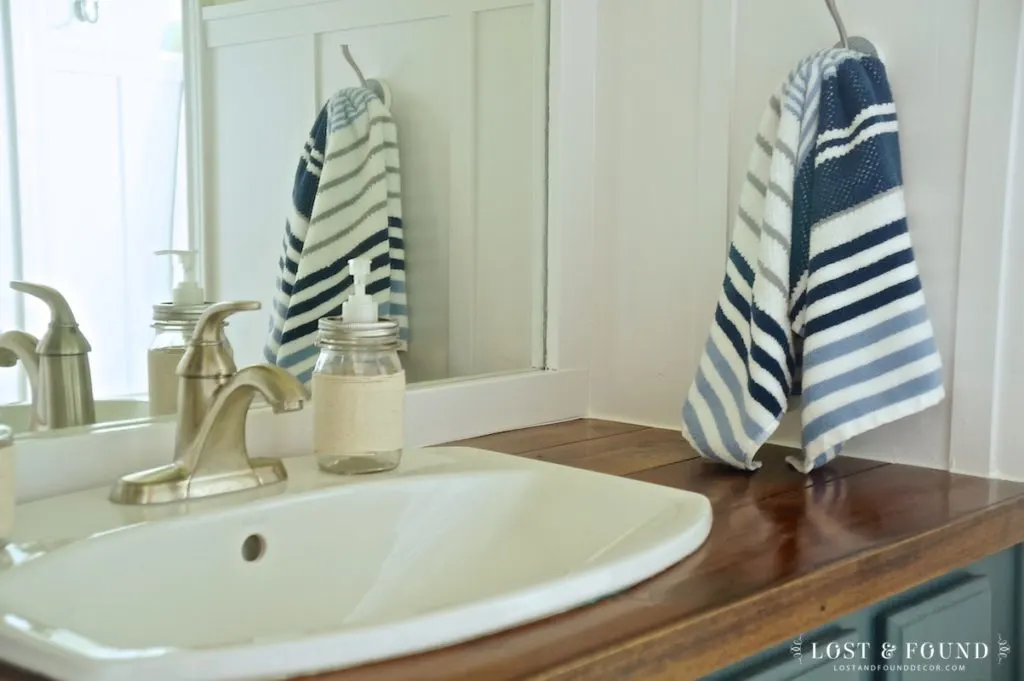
<point>210,327</point>
<point>60,311</point>
<point>63,336</point>
<point>207,355</point>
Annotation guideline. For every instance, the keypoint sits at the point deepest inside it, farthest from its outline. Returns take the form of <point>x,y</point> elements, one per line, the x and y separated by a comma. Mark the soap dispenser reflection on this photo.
<point>174,323</point>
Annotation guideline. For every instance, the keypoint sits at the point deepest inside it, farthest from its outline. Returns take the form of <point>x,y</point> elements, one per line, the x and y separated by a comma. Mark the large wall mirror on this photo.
<point>134,127</point>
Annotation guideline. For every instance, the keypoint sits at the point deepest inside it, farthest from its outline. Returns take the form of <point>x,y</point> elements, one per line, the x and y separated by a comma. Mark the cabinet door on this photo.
<point>782,665</point>
<point>936,636</point>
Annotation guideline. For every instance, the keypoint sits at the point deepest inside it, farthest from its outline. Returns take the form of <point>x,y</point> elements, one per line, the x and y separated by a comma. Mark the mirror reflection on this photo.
<point>160,156</point>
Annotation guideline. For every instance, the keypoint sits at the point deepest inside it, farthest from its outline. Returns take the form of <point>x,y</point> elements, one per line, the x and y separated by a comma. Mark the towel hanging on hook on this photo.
<point>852,43</point>
<point>375,85</point>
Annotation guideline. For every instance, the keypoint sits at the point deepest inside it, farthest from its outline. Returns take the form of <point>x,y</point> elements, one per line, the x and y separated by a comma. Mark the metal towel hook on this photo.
<point>856,42</point>
<point>87,10</point>
<point>375,85</point>
<point>347,53</point>
<point>844,39</point>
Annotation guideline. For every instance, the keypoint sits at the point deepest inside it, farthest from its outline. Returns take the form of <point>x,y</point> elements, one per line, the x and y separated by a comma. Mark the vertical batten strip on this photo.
<point>538,231</point>
<point>462,249</point>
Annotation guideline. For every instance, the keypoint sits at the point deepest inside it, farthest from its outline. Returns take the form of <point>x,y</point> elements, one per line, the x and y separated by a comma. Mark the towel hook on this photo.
<point>844,39</point>
<point>87,10</point>
<point>856,42</point>
<point>377,86</point>
<point>347,53</point>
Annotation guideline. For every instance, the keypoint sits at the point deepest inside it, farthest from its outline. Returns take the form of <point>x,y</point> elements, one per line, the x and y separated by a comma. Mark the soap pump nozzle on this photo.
<point>187,291</point>
<point>359,307</point>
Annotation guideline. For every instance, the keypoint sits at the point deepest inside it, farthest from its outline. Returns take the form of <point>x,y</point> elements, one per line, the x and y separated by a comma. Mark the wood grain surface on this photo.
<point>787,553</point>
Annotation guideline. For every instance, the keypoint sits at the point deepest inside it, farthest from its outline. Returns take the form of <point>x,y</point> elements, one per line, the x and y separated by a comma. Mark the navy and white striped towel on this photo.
<point>821,297</point>
<point>347,203</point>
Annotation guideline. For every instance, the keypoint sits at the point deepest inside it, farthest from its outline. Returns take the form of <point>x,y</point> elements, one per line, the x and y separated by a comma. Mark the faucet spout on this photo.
<point>18,346</point>
<point>219,447</point>
<point>282,391</point>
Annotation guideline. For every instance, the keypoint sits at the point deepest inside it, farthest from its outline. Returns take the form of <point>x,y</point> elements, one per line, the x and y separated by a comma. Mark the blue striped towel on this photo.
<point>821,301</point>
<point>347,203</point>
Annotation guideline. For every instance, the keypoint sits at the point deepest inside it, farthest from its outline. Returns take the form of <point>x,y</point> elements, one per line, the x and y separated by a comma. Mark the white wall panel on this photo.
<point>1008,454</point>
<point>651,291</point>
<point>250,164</point>
<point>466,90</point>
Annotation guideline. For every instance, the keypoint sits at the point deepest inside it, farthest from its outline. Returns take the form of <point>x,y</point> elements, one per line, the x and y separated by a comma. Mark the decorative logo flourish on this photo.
<point>1004,648</point>
<point>798,648</point>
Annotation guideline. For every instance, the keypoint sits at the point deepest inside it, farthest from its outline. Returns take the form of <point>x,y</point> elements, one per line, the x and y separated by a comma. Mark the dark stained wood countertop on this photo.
<point>787,553</point>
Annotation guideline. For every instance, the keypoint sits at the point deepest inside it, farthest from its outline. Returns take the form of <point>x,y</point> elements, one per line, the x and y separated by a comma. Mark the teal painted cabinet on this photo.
<point>965,626</point>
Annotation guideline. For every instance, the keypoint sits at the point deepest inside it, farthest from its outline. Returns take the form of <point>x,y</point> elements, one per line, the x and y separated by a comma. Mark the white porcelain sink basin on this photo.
<point>18,416</point>
<point>325,572</point>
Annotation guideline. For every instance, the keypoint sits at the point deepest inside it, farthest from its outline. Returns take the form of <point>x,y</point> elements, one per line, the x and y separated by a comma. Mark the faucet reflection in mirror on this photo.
<point>57,364</point>
<point>122,185</point>
<point>210,453</point>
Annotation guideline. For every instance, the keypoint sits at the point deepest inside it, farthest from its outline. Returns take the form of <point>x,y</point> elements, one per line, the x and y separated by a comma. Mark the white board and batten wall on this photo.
<point>680,86</point>
<point>468,80</point>
<point>654,103</point>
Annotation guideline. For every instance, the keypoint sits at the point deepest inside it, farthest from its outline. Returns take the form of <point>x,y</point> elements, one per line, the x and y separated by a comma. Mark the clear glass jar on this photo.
<point>358,397</point>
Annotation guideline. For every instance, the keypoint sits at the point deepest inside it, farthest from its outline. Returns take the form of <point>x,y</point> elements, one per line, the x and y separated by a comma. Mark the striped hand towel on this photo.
<point>821,298</point>
<point>347,203</point>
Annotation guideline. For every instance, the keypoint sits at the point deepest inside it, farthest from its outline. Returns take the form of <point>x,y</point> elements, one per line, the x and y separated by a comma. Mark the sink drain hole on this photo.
<point>253,548</point>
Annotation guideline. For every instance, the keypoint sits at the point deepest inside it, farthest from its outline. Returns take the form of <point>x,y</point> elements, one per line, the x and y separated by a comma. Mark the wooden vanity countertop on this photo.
<point>787,554</point>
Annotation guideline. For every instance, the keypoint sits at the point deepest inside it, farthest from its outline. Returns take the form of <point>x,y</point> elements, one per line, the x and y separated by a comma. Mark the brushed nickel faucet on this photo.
<point>210,453</point>
<point>57,364</point>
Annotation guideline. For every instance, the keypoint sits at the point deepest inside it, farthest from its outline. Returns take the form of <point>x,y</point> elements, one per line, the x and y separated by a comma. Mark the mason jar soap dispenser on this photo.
<point>174,323</point>
<point>358,387</point>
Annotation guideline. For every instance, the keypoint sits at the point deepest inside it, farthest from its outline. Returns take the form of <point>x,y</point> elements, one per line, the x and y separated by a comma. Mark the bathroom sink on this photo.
<point>325,572</point>
<point>17,416</point>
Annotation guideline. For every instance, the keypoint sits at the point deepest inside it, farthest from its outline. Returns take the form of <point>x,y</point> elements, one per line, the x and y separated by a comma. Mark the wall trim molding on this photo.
<point>254,20</point>
<point>192,50</point>
<point>572,140</point>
